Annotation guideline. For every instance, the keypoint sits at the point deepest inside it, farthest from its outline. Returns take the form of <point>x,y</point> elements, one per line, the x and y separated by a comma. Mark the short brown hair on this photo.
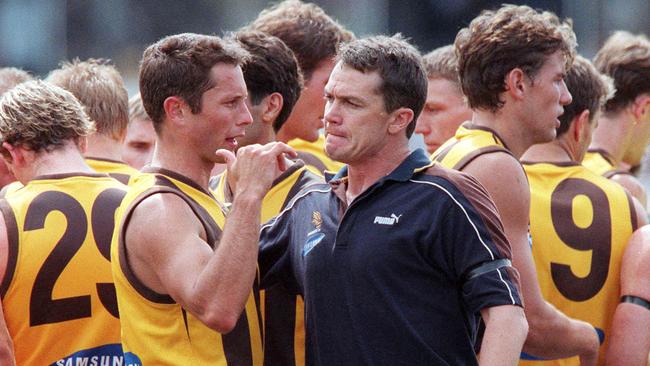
<point>11,76</point>
<point>312,35</point>
<point>442,63</point>
<point>180,65</point>
<point>497,42</point>
<point>400,66</point>
<point>272,67</point>
<point>100,89</point>
<point>38,116</point>
<point>626,59</point>
<point>136,109</point>
<point>589,88</point>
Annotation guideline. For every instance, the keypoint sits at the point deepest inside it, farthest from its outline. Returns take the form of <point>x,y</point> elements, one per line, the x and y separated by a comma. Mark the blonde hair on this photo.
<point>40,116</point>
<point>100,89</point>
<point>625,57</point>
<point>11,76</point>
<point>136,109</point>
<point>442,63</point>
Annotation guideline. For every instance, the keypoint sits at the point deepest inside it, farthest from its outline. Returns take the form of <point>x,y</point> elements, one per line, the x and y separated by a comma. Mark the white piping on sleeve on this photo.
<point>471,223</point>
<point>293,203</point>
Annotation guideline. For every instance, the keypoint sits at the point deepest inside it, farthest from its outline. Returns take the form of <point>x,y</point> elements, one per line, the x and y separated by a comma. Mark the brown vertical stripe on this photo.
<point>237,344</point>
<point>139,287</point>
<point>12,246</point>
<point>212,230</point>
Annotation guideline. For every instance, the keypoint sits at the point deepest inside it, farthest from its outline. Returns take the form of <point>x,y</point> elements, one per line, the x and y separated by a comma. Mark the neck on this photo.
<point>363,174</point>
<point>180,158</point>
<point>66,159</point>
<point>102,146</point>
<point>283,136</point>
<point>614,134</point>
<point>508,127</point>
<point>557,151</point>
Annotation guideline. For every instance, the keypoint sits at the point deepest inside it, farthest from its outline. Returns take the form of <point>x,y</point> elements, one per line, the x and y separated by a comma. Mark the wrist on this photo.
<point>250,198</point>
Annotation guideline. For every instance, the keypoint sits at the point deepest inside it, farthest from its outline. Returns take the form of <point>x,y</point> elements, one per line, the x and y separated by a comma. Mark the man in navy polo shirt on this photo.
<point>397,259</point>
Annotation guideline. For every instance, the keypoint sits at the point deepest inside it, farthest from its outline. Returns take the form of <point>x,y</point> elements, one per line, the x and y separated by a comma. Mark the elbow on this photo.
<point>221,321</point>
<point>7,354</point>
<point>536,330</point>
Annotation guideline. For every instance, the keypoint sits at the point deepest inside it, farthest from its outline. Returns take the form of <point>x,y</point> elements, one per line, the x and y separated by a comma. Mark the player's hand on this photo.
<point>254,168</point>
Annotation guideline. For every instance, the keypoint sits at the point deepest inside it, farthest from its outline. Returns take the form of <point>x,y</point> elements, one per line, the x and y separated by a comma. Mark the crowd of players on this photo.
<point>130,229</point>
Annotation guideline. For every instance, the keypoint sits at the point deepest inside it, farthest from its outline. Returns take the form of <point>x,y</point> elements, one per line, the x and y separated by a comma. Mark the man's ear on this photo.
<point>12,154</point>
<point>272,107</point>
<point>581,126</point>
<point>400,119</point>
<point>515,81</point>
<point>641,106</point>
<point>83,144</point>
<point>175,109</point>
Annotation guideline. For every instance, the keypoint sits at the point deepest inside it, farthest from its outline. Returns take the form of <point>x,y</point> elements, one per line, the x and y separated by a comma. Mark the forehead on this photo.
<point>349,81</point>
<point>554,63</point>
<point>441,88</point>
<point>140,129</point>
<point>227,79</point>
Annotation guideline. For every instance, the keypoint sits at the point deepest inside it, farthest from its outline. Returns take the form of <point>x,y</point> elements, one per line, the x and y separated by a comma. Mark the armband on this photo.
<point>636,300</point>
<point>488,267</point>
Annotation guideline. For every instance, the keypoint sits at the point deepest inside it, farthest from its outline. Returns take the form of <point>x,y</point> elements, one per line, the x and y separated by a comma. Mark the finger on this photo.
<point>226,156</point>
<point>282,162</point>
<point>280,148</point>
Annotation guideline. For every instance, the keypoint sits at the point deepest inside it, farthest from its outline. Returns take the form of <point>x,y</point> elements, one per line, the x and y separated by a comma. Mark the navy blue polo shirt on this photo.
<point>399,276</point>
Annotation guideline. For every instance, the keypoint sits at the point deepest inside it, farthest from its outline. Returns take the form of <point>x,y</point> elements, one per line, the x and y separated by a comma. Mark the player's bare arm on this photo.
<point>551,333</point>
<point>212,285</point>
<point>630,336</point>
<point>505,333</point>
<point>633,185</point>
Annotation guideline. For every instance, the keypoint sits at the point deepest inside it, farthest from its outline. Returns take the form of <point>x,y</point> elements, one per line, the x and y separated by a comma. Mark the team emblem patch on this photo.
<point>313,238</point>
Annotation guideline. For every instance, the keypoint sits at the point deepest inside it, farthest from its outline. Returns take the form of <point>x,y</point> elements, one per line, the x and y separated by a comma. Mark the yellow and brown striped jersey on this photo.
<point>57,292</point>
<point>313,154</point>
<point>469,142</point>
<point>116,169</point>
<point>602,163</point>
<point>283,311</point>
<point>155,329</point>
<point>580,223</point>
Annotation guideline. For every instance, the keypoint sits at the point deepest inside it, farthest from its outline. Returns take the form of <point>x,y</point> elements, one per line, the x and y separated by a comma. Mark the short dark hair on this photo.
<point>180,65</point>
<point>272,67</point>
<point>496,42</point>
<point>442,63</point>
<point>400,66</point>
<point>312,35</point>
<point>626,59</point>
<point>589,88</point>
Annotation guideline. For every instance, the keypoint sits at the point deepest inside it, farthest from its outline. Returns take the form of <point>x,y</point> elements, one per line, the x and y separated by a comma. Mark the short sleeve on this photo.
<point>478,252</point>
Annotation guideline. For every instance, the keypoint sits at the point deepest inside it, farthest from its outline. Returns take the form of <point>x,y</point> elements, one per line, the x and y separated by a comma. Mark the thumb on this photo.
<point>226,156</point>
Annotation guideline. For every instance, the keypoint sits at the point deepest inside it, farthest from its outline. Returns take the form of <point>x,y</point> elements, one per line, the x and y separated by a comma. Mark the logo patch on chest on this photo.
<point>390,221</point>
<point>313,238</point>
